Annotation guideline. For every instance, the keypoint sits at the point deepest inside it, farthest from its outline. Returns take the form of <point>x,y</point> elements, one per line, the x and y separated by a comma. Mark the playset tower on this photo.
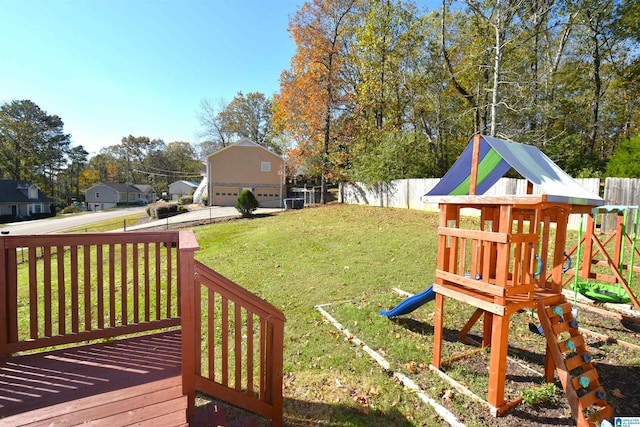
<point>514,260</point>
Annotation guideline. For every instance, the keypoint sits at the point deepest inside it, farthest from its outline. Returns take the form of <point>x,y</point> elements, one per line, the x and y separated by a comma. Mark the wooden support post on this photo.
<point>487,327</point>
<point>529,187</point>
<point>437,331</point>
<point>549,365</point>
<point>617,248</point>
<point>498,360</point>
<point>587,252</point>
<point>474,165</point>
<point>562,217</point>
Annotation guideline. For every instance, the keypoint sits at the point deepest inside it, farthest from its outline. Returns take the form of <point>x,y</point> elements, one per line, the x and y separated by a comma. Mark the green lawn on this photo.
<point>348,259</point>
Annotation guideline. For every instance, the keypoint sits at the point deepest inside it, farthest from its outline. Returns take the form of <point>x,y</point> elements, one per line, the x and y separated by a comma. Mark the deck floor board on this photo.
<point>99,371</point>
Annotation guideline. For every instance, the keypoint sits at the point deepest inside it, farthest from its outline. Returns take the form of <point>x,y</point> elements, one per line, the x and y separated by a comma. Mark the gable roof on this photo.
<point>144,188</point>
<point>245,142</point>
<point>17,191</point>
<point>120,188</point>
<point>189,183</point>
<point>496,157</point>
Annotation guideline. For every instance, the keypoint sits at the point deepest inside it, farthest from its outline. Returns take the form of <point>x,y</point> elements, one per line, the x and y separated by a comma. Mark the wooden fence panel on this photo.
<point>620,191</point>
<point>407,193</point>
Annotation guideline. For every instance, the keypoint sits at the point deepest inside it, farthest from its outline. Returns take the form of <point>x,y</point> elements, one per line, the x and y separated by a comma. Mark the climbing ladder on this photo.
<point>572,361</point>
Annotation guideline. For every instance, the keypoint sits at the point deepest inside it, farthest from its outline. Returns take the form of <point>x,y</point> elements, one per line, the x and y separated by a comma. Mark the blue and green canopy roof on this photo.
<point>497,157</point>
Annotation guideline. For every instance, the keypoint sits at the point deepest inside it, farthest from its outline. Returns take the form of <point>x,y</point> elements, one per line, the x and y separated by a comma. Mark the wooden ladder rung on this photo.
<point>566,309</point>
<point>590,398</point>
<point>578,341</point>
<point>591,375</point>
<point>576,362</point>
<point>604,413</point>
<point>561,327</point>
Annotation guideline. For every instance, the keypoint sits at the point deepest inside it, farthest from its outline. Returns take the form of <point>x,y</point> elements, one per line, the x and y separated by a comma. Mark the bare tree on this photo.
<point>214,131</point>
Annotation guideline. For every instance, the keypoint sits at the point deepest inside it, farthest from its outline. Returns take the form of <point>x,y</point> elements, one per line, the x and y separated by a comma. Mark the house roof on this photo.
<point>16,191</point>
<point>245,142</point>
<point>144,188</point>
<point>121,188</point>
<point>497,157</point>
<point>189,183</point>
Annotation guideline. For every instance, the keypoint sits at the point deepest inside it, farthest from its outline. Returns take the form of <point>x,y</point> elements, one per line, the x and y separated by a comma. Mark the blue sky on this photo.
<point>111,68</point>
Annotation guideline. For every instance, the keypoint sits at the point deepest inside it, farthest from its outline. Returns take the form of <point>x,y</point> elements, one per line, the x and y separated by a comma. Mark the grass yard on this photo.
<point>348,259</point>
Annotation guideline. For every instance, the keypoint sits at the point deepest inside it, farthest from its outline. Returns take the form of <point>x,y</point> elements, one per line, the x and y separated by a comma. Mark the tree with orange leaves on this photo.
<point>312,91</point>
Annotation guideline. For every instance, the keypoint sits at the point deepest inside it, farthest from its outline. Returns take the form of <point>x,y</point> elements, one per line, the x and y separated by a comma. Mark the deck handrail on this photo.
<point>84,286</point>
<point>242,361</point>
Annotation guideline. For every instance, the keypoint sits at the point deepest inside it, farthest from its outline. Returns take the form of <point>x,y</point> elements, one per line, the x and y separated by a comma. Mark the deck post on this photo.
<point>4,333</point>
<point>187,245</point>
<point>276,372</point>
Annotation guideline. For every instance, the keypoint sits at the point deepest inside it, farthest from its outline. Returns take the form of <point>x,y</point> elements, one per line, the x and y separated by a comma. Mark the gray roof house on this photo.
<point>109,195</point>
<point>182,188</point>
<point>22,199</point>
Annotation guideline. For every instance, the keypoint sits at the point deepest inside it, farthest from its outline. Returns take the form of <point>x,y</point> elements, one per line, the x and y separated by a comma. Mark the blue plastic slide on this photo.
<point>411,303</point>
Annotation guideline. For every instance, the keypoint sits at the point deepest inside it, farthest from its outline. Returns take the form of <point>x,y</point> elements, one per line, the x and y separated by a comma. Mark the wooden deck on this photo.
<point>91,382</point>
<point>65,289</point>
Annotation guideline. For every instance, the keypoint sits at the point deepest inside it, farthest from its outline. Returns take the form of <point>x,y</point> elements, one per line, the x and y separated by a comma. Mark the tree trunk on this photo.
<point>497,66</point>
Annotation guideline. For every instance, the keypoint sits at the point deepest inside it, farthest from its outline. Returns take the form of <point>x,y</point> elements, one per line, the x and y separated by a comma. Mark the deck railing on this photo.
<point>236,345</point>
<point>79,287</point>
<point>70,288</point>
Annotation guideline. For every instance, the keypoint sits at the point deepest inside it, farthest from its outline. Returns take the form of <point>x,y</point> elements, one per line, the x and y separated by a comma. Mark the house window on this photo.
<point>97,195</point>
<point>265,166</point>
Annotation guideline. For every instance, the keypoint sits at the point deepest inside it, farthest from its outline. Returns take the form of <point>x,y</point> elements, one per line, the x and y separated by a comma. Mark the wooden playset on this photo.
<point>514,261</point>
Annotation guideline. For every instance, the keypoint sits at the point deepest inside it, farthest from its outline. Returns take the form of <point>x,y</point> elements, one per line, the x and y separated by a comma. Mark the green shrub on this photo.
<point>162,210</point>
<point>185,200</point>
<point>205,200</point>
<point>247,203</point>
<point>70,209</point>
<point>544,394</point>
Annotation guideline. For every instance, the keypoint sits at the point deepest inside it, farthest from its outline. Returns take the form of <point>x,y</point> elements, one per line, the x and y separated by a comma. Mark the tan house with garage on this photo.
<point>245,164</point>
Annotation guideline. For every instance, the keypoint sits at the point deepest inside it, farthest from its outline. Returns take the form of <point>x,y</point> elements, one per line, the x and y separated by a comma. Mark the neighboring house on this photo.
<point>182,188</point>
<point>148,193</point>
<point>22,199</point>
<point>245,165</point>
<point>107,195</point>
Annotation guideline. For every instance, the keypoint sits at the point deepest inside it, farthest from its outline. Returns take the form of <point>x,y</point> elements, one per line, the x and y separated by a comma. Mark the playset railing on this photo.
<point>488,266</point>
